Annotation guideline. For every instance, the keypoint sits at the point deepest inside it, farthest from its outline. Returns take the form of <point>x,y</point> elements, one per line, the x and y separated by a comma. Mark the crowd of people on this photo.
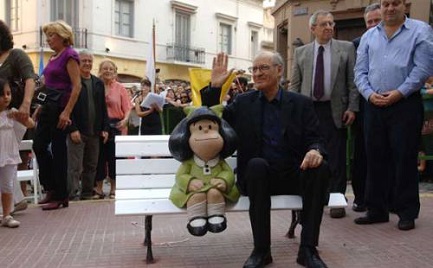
<point>294,141</point>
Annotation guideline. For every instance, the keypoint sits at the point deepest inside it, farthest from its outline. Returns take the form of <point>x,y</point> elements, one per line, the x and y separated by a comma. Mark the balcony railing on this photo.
<point>80,38</point>
<point>185,53</point>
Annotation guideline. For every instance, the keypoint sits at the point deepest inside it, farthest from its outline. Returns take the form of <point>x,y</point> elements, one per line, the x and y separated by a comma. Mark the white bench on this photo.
<point>146,172</point>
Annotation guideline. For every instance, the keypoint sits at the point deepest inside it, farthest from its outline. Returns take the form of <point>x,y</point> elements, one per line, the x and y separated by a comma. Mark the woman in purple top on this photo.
<point>63,83</point>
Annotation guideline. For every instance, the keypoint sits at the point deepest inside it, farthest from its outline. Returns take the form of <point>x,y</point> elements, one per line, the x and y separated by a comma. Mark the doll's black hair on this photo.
<point>179,138</point>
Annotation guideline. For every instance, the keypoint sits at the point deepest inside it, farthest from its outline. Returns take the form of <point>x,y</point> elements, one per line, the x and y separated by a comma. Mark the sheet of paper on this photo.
<point>152,98</point>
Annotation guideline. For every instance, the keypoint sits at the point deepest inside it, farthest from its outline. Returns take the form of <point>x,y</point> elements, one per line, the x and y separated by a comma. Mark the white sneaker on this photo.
<point>8,221</point>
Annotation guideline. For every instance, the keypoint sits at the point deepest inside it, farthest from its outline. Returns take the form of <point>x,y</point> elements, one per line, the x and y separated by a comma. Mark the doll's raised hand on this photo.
<point>219,183</point>
<point>195,185</point>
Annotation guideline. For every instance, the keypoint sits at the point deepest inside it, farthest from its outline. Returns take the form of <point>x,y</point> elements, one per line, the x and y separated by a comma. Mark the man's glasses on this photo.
<point>326,23</point>
<point>263,67</point>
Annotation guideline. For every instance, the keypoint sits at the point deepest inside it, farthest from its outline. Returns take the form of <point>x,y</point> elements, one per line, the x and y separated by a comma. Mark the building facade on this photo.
<point>291,20</point>
<point>188,33</point>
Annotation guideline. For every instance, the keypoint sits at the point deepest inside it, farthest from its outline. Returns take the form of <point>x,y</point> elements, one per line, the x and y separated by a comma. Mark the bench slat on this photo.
<point>147,166</point>
<point>164,206</point>
<point>153,166</point>
<point>124,182</point>
<point>25,175</point>
<point>147,145</point>
<point>131,202</point>
<point>143,194</point>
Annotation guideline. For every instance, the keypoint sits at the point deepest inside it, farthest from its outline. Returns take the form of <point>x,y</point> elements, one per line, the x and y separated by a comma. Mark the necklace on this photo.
<point>56,55</point>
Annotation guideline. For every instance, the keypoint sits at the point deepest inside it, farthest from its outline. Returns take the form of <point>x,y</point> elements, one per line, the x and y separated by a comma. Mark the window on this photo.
<point>254,43</point>
<point>12,17</point>
<point>124,17</point>
<point>183,29</point>
<point>66,10</point>
<point>225,38</point>
<point>226,25</point>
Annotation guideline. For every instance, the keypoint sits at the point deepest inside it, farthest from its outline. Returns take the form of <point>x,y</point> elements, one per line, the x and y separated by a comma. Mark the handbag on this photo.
<point>46,95</point>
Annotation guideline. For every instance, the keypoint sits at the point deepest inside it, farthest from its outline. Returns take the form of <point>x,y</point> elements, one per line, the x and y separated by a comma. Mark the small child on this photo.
<point>12,129</point>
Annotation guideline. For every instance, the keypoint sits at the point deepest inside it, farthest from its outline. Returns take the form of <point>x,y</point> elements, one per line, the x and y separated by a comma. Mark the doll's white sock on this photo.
<point>197,214</point>
<point>216,211</point>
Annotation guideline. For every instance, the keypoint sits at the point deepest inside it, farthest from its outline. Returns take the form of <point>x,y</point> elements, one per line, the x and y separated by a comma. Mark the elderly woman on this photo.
<point>118,108</point>
<point>63,85</point>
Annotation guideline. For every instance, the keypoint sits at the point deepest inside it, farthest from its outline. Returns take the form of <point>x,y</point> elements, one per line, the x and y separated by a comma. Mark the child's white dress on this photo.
<point>11,134</point>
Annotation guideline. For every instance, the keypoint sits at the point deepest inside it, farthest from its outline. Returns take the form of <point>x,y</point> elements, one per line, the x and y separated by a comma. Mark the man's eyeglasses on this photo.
<point>263,67</point>
<point>326,23</point>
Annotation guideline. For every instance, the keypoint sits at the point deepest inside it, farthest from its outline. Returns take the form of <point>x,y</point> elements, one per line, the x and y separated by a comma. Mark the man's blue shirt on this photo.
<point>272,134</point>
<point>402,62</point>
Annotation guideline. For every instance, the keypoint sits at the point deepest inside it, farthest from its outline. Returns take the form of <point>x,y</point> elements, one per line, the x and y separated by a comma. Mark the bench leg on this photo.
<point>296,218</point>
<point>148,238</point>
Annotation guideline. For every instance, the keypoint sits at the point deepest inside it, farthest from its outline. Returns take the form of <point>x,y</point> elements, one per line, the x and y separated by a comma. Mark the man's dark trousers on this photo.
<point>335,145</point>
<point>266,178</point>
<point>396,128</point>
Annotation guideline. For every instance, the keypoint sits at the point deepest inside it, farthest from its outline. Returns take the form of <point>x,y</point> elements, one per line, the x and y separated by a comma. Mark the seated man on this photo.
<point>280,151</point>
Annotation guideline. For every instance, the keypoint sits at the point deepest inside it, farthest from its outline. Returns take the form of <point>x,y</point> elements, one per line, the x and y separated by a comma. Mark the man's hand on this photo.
<point>195,185</point>
<point>386,99</point>
<point>104,135</point>
<point>312,159</point>
<point>220,184</point>
<point>348,118</point>
<point>219,70</point>
<point>76,136</point>
<point>392,97</point>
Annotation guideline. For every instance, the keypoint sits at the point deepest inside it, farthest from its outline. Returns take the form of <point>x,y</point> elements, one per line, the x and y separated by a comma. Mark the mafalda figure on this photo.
<point>204,181</point>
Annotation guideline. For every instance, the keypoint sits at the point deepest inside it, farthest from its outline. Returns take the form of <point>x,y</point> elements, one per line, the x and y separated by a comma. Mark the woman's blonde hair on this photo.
<point>107,61</point>
<point>62,29</point>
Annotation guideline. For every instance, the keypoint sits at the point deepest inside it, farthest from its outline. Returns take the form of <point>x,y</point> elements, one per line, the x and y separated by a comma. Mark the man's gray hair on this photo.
<point>371,7</point>
<point>313,18</point>
<point>278,59</point>
<point>275,57</point>
<point>85,52</point>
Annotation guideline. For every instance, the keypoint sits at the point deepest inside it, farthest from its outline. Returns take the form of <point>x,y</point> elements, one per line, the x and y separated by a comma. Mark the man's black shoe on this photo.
<point>309,257</point>
<point>406,225</point>
<point>258,259</point>
<point>358,207</point>
<point>337,213</point>
<point>370,219</point>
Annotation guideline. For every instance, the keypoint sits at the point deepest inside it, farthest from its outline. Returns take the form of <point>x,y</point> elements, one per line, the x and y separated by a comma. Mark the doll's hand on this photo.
<point>195,185</point>
<point>220,184</point>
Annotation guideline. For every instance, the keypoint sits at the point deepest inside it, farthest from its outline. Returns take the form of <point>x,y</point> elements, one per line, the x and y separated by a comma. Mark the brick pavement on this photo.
<point>87,234</point>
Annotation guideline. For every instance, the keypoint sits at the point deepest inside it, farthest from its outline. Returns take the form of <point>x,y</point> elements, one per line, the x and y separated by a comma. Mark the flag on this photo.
<point>150,59</point>
<point>200,79</point>
<point>41,62</point>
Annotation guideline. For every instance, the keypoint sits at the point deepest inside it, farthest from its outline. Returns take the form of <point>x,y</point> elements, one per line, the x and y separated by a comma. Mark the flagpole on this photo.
<point>154,55</point>
<point>41,61</point>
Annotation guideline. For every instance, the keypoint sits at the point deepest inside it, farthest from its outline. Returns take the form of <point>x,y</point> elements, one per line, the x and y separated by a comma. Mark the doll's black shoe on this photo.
<point>217,223</point>
<point>197,226</point>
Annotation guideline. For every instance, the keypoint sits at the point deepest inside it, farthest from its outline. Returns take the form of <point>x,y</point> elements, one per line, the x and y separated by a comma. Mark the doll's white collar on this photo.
<point>210,163</point>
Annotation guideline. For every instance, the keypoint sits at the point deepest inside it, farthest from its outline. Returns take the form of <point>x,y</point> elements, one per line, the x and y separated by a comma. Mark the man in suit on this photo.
<point>372,17</point>
<point>394,59</point>
<point>323,71</point>
<point>280,151</point>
